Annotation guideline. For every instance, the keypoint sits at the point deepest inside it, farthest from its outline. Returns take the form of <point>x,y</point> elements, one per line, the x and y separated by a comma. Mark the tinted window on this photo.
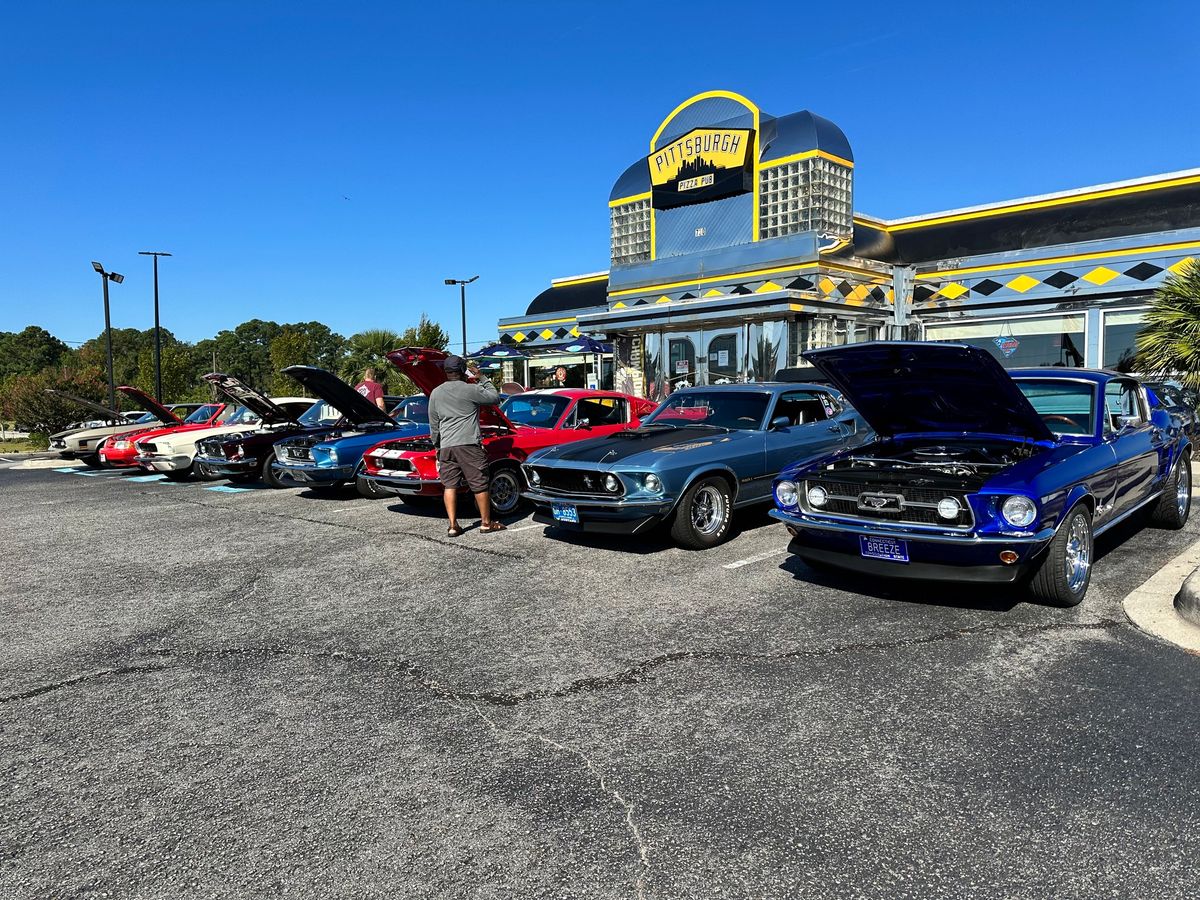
<point>414,409</point>
<point>540,410</point>
<point>600,411</point>
<point>1067,407</point>
<point>738,410</point>
<point>803,407</point>
<point>320,413</point>
<point>203,414</point>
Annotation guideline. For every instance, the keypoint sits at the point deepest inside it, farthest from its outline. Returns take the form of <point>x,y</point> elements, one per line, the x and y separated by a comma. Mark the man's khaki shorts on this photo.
<point>467,463</point>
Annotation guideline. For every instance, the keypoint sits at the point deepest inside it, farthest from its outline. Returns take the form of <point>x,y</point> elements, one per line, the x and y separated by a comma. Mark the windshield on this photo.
<point>243,416</point>
<point>538,410</point>
<point>142,417</point>
<point>736,410</point>
<point>412,409</point>
<point>320,413</point>
<point>203,414</point>
<point>1067,407</point>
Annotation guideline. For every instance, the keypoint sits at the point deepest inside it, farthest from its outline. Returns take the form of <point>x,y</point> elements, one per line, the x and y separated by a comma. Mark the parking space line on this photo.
<point>750,560</point>
<point>228,489</point>
<point>148,478</point>
<point>68,470</point>
<point>525,528</point>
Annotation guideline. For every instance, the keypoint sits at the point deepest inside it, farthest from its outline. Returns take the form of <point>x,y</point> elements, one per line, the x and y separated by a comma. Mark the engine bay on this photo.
<point>958,463</point>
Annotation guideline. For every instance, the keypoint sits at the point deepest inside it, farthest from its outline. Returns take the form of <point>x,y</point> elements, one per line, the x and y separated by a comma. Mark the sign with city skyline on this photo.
<point>704,164</point>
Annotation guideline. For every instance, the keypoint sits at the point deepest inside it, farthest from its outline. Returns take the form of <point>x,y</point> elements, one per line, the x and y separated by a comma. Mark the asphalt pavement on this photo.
<point>226,693</point>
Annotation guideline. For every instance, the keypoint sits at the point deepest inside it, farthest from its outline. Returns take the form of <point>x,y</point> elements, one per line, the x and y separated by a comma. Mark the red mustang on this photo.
<point>120,450</point>
<point>522,424</point>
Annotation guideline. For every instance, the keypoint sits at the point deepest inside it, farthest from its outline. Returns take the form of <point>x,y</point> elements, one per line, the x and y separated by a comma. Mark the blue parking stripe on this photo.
<point>148,478</point>
<point>69,470</point>
<point>226,489</point>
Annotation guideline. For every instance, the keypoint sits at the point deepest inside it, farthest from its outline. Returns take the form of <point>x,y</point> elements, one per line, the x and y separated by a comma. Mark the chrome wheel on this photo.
<point>504,492</point>
<point>708,511</point>
<point>1183,489</point>
<point>1077,560</point>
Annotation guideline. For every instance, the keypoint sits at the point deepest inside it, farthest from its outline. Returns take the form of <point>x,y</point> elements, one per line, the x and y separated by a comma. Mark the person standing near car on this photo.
<point>371,389</point>
<point>454,428</point>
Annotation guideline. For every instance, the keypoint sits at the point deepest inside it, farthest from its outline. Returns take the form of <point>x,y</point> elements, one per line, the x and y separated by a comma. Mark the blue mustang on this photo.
<point>702,453</point>
<point>330,458</point>
<point>979,474</point>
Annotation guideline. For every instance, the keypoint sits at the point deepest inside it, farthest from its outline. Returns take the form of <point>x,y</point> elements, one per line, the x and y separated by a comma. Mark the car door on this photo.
<point>597,415</point>
<point>1135,441</point>
<point>812,430</point>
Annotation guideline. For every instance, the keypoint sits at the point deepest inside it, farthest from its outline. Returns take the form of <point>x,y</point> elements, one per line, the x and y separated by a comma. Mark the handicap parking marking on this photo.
<point>229,489</point>
<point>68,470</point>
<point>141,478</point>
<point>751,560</point>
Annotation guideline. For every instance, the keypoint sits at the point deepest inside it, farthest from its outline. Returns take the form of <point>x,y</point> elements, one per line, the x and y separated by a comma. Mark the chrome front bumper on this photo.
<point>802,520</point>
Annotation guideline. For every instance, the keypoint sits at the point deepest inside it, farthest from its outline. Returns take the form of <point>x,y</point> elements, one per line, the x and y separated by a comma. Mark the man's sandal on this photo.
<point>453,532</point>
<point>495,526</point>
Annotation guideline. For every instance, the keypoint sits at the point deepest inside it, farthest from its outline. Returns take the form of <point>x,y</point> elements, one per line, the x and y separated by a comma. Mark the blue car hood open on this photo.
<point>905,387</point>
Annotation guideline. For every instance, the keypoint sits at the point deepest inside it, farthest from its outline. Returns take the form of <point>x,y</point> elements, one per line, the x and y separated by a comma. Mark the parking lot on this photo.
<point>210,691</point>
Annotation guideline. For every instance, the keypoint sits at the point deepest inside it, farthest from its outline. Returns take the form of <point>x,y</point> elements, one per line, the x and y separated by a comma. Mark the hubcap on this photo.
<point>1079,554</point>
<point>1183,494</point>
<point>708,511</point>
<point>504,492</point>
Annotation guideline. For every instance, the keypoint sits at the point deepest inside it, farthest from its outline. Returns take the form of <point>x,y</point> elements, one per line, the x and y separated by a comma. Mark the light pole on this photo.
<point>157,341</point>
<point>106,277</point>
<point>462,292</point>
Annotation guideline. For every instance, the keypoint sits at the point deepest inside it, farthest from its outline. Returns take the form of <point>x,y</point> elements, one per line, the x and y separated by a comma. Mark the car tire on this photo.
<point>204,473</point>
<point>243,479</point>
<point>368,489</point>
<point>504,490</point>
<point>269,478</point>
<point>1175,504</point>
<point>180,475</point>
<point>1063,575</point>
<point>703,515</point>
<point>92,462</point>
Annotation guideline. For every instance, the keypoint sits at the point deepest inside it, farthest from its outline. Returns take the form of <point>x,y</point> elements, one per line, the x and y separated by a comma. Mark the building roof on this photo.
<point>565,294</point>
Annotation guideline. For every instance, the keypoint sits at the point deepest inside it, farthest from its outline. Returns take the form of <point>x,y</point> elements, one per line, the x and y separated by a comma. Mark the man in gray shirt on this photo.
<point>454,427</point>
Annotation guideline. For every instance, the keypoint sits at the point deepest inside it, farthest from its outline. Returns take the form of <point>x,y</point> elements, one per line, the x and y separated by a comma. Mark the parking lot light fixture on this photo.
<point>462,286</point>
<point>106,277</point>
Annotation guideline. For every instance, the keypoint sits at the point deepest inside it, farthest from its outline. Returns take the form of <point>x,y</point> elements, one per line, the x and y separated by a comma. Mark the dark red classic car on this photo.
<point>522,424</point>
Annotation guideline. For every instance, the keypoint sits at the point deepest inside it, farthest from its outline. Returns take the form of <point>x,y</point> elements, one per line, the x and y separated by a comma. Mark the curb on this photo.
<point>1187,601</point>
<point>1153,606</point>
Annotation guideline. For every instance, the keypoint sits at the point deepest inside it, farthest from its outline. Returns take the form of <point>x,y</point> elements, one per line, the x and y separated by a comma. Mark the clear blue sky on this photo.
<point>336,161</point>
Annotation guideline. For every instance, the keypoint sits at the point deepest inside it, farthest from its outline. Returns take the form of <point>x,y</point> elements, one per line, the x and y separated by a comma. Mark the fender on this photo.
<point>1077,493</point>
<point>705,470</point>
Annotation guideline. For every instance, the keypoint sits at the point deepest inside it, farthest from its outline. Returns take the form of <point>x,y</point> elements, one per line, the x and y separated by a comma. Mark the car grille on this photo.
<point>383,463</point>
<point>292,451</point>
<point>148,447</point>
<point>572,482</point>
<point>900,504</point>
<point>212,448</point>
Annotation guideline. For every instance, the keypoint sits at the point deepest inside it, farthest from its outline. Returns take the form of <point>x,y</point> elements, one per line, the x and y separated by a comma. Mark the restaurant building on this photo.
<point>735,245</point>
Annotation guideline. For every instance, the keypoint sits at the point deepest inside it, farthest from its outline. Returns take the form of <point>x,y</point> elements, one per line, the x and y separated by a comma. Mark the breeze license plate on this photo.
<point>564,512</point>
<point>883,548</point>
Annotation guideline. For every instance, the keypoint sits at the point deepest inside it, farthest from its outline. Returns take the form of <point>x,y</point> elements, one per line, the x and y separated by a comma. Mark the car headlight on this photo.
<point>164,448</point>
<point>949,508</point>
<point>121,445</point>
<point>534,478</point>
<point>239,451</point>
<point>817,496</point>
<point>787,495</point>
<point>1019,511</point>
<point>652,483</point>
<point>333,454</point>
<point>612,484</point>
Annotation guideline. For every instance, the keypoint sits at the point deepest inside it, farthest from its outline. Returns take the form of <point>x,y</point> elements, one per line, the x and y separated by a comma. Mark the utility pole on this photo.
<point>157,335</point>
<point>106,277</point>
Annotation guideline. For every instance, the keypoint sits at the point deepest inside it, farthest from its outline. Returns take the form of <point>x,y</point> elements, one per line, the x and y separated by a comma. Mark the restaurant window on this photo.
<point>766,350</point>
<point>1120,339</point>
<point>1028,341</point>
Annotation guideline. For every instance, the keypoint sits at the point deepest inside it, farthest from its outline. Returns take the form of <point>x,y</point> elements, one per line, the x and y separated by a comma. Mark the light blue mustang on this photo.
<point>702,453</point>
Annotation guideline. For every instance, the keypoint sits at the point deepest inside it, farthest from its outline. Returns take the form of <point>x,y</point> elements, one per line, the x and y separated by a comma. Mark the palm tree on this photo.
<point>1169,344</point>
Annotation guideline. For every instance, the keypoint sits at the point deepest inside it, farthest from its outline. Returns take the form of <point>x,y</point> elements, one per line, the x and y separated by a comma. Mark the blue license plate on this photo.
<point>566,513</point>
<point>883,548</point>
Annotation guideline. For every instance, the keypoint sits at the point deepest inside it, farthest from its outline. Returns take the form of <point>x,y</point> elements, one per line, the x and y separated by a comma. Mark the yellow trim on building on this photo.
<point>542,322</point>
<point>695,282</point>
<point>1045,204</point>
<point>807,154</point>
<point>632,198</point>
<point>1058,260</point>
<point>589,279</point>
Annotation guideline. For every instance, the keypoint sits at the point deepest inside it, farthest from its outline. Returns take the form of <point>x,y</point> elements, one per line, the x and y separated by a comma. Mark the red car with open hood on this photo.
<point>120,450</point>
<point>522,424</point>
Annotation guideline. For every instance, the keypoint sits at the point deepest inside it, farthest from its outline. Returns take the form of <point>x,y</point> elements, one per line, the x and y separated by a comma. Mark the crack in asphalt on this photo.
<point>631,826</point>
<point>81,679</point>
<point>373,532</point>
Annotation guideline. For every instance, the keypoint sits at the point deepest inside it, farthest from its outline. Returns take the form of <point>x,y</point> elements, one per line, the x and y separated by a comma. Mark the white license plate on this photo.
<point>883,548</point>
<point>564,512</point>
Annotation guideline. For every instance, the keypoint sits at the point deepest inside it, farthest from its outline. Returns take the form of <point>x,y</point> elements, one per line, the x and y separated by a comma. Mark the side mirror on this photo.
<point>780,423</point>
<point>1124,422</point>
<point>583,425</point>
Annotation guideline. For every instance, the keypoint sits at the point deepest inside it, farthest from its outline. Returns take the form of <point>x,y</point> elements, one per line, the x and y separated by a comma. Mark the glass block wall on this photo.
<point>630,232</point>
<point>811,194</point>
